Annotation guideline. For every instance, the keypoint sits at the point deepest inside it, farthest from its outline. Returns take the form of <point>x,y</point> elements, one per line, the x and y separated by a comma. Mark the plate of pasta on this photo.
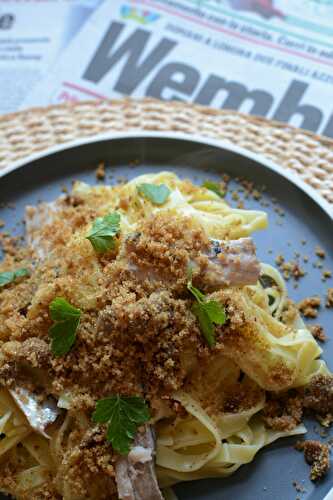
<point>158,331</point>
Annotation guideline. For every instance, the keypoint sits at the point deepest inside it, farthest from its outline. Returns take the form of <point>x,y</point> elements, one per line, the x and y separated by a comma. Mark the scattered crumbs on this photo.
<point>329,298</point>
<point>317,455</point>
<point>297,255</point>
<point>279,211</point>
<point>290,312</point>
<point>318,333</point>
<point>289,243</point>
<point>235,196</point>
<point>100,171</point>
<point>320,252</point>
<point>279,222</point>
<point>279,260</point>
<point>2,223</point>
<point>305,258</point>
<point>270,251</point>
<point>318,264</point>
<point>250,190</point>
<point>295,286</point>
<point>225,181</point>
<point>224,187</point>
<point>64,189</point>
<point>309,306</point>
<point>298,487</point>
<point>265,488</point>
<point>326,274</point>
<point>240,204</point>
<point>303,242</point>
<point>256,194</point>
<point>325,421</point>
<point>292,270</point>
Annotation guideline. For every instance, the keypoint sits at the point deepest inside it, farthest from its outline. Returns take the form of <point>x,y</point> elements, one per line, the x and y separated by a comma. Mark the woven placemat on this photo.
<point>309,155</point>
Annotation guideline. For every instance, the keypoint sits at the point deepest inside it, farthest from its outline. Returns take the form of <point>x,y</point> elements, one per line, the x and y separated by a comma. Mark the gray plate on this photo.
<point>307,217</point>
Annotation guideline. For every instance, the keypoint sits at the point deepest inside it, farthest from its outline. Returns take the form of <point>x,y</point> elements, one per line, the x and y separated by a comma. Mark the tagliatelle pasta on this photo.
<point>158,317</point>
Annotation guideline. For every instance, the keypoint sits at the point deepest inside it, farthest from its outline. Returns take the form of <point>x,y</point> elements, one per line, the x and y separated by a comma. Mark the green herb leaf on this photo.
<point>206,324</point>
<point>216,312</point>
<point>208,313</point>
<point>197,294</point>
<point>157,194</point>
<point>103,232</point>
<point>10,276</point>
<point>63,332</point>
<point>123,416</point>
<point>213,186</point>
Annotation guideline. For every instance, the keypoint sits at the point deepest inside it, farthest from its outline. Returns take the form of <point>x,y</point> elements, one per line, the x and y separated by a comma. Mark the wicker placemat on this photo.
<point>311,156</point>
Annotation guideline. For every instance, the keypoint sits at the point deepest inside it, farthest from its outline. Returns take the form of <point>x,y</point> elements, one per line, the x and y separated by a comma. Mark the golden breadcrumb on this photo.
<point>317,455</point>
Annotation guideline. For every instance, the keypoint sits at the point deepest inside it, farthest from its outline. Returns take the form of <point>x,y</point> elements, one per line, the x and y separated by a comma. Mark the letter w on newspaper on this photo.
<point>267,58</point>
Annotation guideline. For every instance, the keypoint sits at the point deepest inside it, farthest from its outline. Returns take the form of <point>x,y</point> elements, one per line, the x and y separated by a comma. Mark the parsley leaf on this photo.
<point>157,194</point>
<point>213,186</point>
<point>216,312</point>
<point>103,232</point>
<point>10,276</point>
<point>66,321</point>
<point>206,324</point>
<point>123,416</point>
<point>208,313</point>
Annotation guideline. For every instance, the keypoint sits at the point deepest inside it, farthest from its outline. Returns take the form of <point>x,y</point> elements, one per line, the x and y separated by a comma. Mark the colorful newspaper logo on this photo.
<point>142,16</point>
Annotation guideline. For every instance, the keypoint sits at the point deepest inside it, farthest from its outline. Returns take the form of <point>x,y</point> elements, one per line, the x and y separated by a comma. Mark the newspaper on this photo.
<point>272,59</point>
<point>32,34</point>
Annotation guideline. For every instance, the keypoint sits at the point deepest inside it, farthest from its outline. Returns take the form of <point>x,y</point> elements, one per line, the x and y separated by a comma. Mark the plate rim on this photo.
<point>169,135</point>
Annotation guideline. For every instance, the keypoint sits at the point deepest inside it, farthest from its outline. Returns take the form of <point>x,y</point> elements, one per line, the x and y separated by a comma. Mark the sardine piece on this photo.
<point>135,474</point>
<point>36,218</point>
<point>231,263</point>
<point>225,263</point>
<point>39,415</point>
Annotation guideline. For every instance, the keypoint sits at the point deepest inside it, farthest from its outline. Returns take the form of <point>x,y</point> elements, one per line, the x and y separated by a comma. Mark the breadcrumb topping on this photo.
<point>283,413</point>
<point>329,298</point>
<point>318,333</point>
<point>318,394</point>
<point>320,252</point>
<point>309,306</point>
<point>317,455</point>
